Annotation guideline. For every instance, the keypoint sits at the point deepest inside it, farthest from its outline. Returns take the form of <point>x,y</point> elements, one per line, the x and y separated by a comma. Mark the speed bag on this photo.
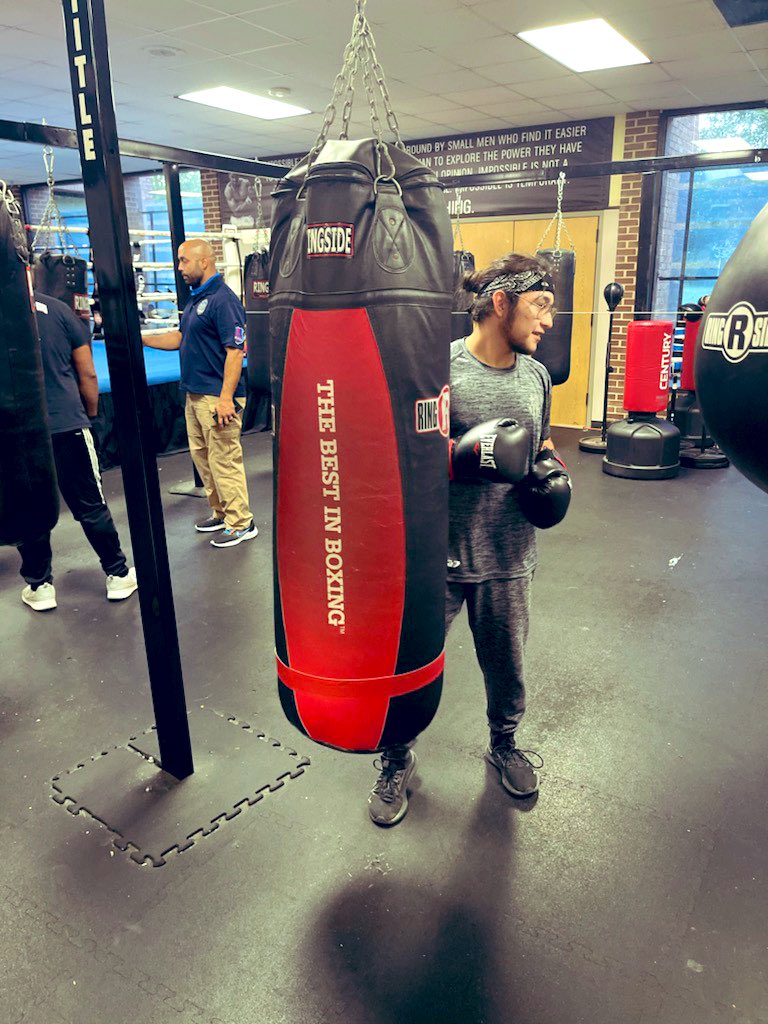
<point>731,364</point>
<point>360,303</point>
<point>256,279</point>
<point>554,349</point>
<point>29,497</point>
<point>65,278</point>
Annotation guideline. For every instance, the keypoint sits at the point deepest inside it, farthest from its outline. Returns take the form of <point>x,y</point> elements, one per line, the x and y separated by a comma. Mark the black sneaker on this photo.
<point>210,525</point>
<point>517,770</point>
<point>388,801</point>
<point>230,538</point>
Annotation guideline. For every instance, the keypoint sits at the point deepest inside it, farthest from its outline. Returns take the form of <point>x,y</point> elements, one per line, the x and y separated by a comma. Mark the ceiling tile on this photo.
<point>459,80</point>
<point>150,15</point>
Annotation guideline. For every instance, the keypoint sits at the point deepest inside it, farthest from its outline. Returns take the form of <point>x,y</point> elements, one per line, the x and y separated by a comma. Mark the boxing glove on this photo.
<point>545,493</point>
<point>496,451</point>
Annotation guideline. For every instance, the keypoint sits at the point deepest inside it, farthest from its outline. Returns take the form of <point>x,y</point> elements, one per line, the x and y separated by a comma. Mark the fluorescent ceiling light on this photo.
<point>758,175</point>
<point>727,144</point>
<point>226,98</point>
<point>585,45</point>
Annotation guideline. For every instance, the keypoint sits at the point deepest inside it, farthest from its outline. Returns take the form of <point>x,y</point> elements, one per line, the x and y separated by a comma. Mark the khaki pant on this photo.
<point>218,455</point>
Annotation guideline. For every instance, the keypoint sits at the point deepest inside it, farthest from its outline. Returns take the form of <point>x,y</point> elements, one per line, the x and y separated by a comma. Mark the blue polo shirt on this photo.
<point>212,322</point>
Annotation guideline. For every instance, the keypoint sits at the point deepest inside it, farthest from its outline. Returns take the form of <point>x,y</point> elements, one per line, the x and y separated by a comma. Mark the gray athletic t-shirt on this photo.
<point>489,536</point>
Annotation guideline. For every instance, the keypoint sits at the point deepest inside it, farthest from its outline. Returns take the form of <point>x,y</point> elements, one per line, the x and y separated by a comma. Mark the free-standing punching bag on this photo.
<point>360,305</point>
<point>64,277</point>
<point>554,349</point>
<point>29,497</point>
<point>731,364</point>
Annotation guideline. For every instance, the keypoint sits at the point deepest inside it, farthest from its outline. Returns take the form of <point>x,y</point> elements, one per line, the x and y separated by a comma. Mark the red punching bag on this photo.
<point>360,305</point>
<point>29,497</point>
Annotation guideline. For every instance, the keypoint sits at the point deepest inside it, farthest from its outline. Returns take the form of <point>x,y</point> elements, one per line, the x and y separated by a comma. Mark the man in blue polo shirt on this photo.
<point>72,400</point>
<point>211,339</point>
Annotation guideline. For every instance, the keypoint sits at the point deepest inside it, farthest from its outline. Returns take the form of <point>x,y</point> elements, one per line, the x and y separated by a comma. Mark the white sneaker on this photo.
<point>120,587</point>
<point>42,599</point>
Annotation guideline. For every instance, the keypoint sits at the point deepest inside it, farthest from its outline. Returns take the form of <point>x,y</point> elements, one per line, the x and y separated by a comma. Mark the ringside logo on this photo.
<point>330,240</point>
<point>434,414</point>
<point>260,289</point>
<point>737,333</point>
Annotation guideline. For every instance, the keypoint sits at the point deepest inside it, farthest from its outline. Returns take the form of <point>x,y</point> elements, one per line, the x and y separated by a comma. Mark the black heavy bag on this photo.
<point>731,364</point>
<point>29,497</point>
<point>461,321</point>
<point>360,302</point>
<point>256,281</point>
<point>554,349</point>
<point>64,277</point>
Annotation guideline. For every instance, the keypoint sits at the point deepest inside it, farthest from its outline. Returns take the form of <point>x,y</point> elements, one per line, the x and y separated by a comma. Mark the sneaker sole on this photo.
<point>210,529</point>
<point>403,810</point>
<point>41,606</point>
<point>521,794</point>
<point>235,542</point>
<point>121,595</point>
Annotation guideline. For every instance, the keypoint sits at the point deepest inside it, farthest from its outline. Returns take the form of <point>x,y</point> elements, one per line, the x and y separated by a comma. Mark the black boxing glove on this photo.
<point>496,451</point>
<point>545,493</point>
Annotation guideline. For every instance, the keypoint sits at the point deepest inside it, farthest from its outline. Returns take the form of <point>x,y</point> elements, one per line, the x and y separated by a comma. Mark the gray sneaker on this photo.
<point>518,772</point>
<point>388,802</point>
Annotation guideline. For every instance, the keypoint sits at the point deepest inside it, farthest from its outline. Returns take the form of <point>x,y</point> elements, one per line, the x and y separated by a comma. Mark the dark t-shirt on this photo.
<point>212,322</point>
<point>489,537</point>
<point>60,333</point>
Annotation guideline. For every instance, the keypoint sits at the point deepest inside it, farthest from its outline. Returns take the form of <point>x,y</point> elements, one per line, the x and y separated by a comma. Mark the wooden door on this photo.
<point>490,239</point>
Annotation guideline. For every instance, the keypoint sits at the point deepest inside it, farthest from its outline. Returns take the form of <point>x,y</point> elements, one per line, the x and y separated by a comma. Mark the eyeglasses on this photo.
<point>542,308</point>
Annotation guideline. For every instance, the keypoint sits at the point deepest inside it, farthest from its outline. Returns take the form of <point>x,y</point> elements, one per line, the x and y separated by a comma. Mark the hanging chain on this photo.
<point>261,241</point>
<point>457,226</point>
<point>360,56</point>
<point>8,199</point>
<point>51,221</point>
<point>559,223</point>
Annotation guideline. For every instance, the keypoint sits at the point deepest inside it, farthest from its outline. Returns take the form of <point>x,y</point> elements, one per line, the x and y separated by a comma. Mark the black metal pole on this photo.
<point>608,372</point>
<point>105,200</point>
<point>647,238</point>
<point>176,224</point>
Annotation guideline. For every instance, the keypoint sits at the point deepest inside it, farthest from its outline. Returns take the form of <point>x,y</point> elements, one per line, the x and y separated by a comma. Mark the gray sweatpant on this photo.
<point>498,613</point>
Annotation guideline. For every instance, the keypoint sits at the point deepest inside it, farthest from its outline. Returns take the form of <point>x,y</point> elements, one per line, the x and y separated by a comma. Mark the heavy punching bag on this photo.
<point>64,277</point>
<point>731,364</point>
<point>461,321</point>
<point>360,305</point>
<point>256,281</point>
<point>29,497</point>
<point>554,349</point>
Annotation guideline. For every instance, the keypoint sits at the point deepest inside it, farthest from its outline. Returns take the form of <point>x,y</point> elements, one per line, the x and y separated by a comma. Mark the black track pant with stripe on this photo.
<point>77,468</point>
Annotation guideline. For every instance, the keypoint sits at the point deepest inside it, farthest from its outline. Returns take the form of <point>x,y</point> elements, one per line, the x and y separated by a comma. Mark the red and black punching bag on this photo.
<point>29,497</point>
<point>554,349</point>
<point>360,305</point>
<point>731,365</point>
<point>65,278</point>
<point>256,281</point>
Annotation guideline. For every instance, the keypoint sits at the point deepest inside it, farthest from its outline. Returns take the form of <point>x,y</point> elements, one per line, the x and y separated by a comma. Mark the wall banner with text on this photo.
<point>548,147</point>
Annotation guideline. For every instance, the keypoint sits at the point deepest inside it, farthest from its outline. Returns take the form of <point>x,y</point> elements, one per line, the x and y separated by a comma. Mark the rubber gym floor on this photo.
<point>633,889</point>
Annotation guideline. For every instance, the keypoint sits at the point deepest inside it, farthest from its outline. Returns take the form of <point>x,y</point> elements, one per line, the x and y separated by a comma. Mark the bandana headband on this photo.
<point>527,281</point>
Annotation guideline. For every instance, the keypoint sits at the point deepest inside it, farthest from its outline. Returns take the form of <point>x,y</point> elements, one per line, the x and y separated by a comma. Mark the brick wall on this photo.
<point>640,140</point>
<point>209,185</point>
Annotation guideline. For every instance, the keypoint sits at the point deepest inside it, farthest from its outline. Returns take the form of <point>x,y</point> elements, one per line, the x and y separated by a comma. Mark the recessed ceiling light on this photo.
<point>279,92</point>
<point>726,144</point>
<point>241,102</point>
<point>164,52</point>
<point>585,45</point>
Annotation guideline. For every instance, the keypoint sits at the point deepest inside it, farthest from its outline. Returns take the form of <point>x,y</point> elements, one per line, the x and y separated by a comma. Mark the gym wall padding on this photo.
<point>360,302</point>
<point>29,496</point>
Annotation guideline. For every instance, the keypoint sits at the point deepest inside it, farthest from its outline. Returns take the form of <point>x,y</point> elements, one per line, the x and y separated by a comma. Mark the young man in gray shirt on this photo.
<point>492,543</point>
